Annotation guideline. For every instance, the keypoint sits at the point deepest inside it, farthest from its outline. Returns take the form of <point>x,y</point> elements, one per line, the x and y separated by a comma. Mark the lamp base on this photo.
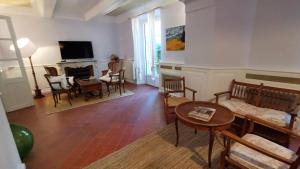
<point>38,94</point>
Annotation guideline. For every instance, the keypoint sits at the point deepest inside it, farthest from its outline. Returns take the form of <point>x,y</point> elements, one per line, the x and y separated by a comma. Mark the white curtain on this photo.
<point>143,29</point>
<point>139,51</point>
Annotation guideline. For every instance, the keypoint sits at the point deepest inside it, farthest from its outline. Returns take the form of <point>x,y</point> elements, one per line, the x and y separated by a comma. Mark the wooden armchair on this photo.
<point>116,79</point>
<point>253,151</point>
<point>52,71</point>
<point>58,88</point>
<point>175,94</point>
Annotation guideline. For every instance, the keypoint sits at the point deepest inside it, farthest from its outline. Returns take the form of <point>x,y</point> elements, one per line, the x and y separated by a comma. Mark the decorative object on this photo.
<point>27,49</point>
<point>23,138</point>
<point>175,38</point>
<point>157,150</point>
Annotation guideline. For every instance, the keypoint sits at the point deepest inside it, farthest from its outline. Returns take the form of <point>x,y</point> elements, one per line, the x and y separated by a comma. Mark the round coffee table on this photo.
<point>221,120</point>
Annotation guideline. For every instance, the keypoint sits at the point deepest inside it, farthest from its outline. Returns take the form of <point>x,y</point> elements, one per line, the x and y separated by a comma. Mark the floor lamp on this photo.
<point>27,49</point>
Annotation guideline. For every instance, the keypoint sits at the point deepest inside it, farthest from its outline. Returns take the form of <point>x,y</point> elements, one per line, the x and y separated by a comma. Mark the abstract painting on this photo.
<point>175,38</point>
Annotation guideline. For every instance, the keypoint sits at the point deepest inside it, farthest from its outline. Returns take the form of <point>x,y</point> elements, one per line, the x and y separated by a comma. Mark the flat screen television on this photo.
<point>76,49</point>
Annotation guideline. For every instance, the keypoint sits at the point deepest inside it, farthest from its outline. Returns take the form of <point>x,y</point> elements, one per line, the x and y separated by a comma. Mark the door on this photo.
<point>153,48</point>
<point>147,47</point>
<point>14,86</point>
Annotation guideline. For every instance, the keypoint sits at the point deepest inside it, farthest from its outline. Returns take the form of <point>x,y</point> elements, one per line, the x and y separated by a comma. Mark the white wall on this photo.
<point>276,36</point>
<point>219,33</point>
<point>9,157</point>
<point>46,33</point>
<point>125,40</point>
<point>171,16</point>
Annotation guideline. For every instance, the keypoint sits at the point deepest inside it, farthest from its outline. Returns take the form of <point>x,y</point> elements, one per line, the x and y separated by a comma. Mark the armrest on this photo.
<point>104,72</point>
<point>192,90</point>
<point>253,119</point>
<point>219,94</point>
<point>256,148</point>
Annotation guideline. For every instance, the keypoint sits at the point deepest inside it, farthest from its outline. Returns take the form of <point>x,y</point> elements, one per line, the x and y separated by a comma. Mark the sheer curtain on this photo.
<point>143,28</point>
<point>139,50</point>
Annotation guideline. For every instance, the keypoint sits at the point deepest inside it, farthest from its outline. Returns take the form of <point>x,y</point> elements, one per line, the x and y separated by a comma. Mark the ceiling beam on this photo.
<point>104,7</point>
<point>45,7</point>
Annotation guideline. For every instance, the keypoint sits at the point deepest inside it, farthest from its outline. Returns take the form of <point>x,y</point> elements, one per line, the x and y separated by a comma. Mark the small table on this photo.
<point>88,86</point>
<point>221,120</point>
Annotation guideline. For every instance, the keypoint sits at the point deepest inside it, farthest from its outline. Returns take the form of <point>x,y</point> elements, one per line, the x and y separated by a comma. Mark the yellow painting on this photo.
<point>175,38</point>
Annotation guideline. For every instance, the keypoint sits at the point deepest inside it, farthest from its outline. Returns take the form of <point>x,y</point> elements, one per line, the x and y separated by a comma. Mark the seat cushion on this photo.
<point>253,159</point>
<point>241,109</point>
<point>175,101</point>
<point>296,128</point>
<point>62,80</point>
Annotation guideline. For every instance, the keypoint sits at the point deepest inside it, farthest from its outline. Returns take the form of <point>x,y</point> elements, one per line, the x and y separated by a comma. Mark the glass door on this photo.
<point>153,47</point>
<point>14,86</point>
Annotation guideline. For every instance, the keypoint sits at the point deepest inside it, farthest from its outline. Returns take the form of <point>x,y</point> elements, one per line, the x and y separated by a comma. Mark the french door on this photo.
<point>147,47</point>
<point>14,87</point>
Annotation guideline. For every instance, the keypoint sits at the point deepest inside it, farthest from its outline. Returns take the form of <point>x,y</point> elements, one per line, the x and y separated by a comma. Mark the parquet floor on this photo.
<point>74,138</point>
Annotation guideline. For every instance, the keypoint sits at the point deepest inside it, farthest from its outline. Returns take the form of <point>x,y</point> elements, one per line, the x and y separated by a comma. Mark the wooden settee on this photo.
<point>272,104</point>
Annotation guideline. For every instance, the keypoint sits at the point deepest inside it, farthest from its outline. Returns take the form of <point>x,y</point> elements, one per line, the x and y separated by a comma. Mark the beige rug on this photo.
<point>157,151</point>
<point>79,101</point>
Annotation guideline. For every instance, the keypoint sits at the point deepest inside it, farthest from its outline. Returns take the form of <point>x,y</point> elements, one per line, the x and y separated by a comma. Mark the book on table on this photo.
<point>202,113</point>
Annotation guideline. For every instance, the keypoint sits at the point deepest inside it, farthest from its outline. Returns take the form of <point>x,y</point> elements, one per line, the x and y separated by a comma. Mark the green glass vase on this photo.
<point>23,138</point>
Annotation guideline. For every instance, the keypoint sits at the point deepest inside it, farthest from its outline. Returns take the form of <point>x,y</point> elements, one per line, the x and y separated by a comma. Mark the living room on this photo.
<point>115,83</point>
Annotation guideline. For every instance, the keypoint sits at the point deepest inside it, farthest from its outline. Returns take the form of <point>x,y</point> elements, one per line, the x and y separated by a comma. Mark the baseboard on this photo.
<point>21,166</point>
<point>131,81</point>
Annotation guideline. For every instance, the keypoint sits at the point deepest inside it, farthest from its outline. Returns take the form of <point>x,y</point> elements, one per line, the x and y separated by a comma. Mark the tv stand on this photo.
<point>78,63</point>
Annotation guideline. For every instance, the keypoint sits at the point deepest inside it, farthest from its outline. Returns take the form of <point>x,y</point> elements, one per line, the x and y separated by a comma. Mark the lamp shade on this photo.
<point>27,48</point>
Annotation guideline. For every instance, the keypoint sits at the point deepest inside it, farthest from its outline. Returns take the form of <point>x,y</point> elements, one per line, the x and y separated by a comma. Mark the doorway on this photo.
<point>147,47</point>
<point>14,86</point>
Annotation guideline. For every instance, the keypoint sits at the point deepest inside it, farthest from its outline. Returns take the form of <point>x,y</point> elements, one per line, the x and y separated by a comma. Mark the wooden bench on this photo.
<point>273,104</point>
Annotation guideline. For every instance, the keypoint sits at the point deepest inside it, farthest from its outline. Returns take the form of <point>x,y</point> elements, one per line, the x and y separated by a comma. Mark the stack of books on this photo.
<point>202,113</point>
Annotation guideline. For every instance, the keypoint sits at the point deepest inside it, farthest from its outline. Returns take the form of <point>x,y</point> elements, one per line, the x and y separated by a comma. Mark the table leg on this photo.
<point>211,143</point>
<point>177,134</point>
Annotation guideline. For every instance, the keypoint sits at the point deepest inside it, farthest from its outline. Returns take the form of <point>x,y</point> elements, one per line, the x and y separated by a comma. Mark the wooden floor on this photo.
<point>74,138</point>
<point>77,137</point>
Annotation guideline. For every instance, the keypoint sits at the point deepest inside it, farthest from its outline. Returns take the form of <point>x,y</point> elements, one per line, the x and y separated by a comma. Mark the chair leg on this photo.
<point>69,97</point>
<point>166,114</point>
<point>108,91</point>
<point>120,88</point>
<point>54,99</point>
<point>124,87</point>
<point>59,96</point>
<point>223,160</point>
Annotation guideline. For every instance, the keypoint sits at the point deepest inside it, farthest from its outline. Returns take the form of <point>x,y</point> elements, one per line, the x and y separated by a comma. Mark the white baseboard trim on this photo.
<point>22,166</point>
<point>131,81</point>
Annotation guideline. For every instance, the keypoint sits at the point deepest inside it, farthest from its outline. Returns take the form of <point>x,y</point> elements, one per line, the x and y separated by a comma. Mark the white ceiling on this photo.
<point>72,9</point>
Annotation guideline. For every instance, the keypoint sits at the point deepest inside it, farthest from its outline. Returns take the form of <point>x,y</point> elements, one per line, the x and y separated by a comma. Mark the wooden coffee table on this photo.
<point>221,120</point>
<point>89,86</point>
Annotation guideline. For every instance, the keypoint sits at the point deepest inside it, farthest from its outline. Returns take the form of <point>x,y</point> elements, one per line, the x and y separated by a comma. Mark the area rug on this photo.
<point>157,151</point>
<point>79,101</point>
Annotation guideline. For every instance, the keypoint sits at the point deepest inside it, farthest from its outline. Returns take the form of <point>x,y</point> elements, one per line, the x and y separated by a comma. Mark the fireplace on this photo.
<point>80,72</point>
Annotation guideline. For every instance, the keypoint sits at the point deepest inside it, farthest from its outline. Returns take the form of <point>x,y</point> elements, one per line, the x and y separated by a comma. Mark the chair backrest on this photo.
<point>51,70</point>
<point>47,76</point>
<point>115,66</point>
<point>174,85</point>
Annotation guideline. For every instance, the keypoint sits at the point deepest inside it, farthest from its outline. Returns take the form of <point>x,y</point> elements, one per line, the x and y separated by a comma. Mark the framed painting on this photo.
<point>175,38</point>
